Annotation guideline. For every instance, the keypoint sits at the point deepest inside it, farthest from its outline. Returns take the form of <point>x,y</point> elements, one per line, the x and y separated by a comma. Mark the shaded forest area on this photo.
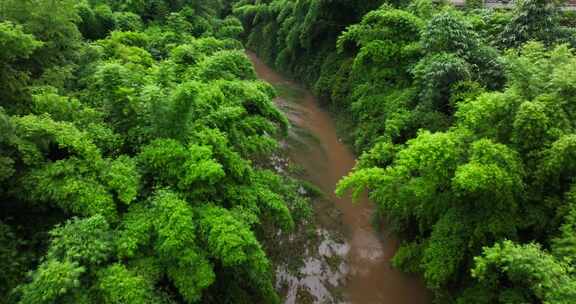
<point>135,144</point>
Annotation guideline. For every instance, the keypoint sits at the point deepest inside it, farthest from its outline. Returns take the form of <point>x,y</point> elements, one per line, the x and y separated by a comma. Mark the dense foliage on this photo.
<point>134,146</point>
<point>502,172</point>
<point>465,122</point>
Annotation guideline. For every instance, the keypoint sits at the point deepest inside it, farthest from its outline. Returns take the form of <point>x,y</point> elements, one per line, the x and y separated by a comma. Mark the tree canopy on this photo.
<point>136,144</point>
<point>134,151</point>
<point>462,118</point>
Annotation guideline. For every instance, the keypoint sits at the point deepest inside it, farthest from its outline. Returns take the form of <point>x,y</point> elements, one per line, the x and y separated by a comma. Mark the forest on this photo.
<point>137,144</point>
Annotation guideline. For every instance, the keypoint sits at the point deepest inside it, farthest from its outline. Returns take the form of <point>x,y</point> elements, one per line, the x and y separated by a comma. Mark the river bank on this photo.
<point>362,273</point>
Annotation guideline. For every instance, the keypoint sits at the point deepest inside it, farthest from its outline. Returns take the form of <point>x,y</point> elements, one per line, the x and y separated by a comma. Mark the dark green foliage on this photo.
<point>436,74</point>
<point>394,70</point>
<point>298,35</point>
<point>16,45</point>
<point>127,21</point>
<point>535,20</point>
<point>14,259</point>
<point>53,23</point>
<point>96,22</point>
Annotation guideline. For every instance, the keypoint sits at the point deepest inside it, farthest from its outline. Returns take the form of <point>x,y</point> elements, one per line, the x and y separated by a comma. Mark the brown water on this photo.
<point>367,274</point>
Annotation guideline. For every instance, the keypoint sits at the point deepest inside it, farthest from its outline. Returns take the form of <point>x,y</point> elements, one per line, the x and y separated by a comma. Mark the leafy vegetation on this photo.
<point>135,144</point>
<point>498,175</point>
<point>463,120</point>
<point>134,151</point>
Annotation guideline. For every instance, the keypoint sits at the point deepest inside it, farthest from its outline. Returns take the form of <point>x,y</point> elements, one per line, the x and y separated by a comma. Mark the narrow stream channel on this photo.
<point>366,276</point>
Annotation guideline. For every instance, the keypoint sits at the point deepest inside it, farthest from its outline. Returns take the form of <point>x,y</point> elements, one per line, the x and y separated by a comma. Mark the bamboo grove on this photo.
<point>464,120</point>
<point>133,155</point>
<point>136,144</point>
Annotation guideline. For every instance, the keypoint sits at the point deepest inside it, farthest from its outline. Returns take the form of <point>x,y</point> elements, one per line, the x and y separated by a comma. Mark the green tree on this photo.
<point>17,45</point>
<point>53,23</point>
<point>139,151</point>
<point>501,173</point>
<point>535,20</point>
<point>535,274</point>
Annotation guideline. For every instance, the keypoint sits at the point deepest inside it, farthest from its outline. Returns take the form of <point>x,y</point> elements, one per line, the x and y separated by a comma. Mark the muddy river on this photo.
<point>364,275</point>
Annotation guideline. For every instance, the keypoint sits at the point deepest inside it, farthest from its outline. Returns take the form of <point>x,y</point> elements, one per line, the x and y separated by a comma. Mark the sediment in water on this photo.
<point>355,269</point>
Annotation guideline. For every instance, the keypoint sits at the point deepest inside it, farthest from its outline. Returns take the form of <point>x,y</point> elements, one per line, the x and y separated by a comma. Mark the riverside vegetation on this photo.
<point>464,120</point>
<point>135,144</point>
<point>133,156</point>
